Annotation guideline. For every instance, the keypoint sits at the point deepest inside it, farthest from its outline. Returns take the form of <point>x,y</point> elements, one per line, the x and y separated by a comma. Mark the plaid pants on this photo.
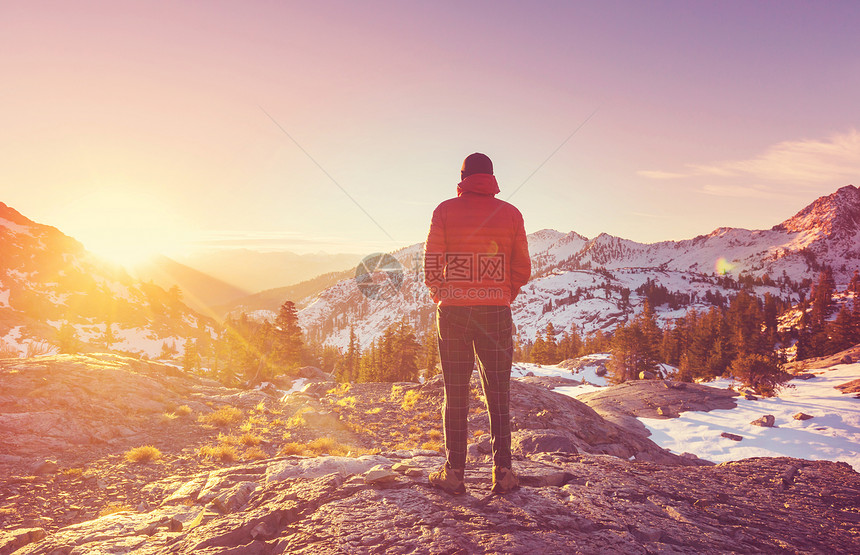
<point>463,332</point>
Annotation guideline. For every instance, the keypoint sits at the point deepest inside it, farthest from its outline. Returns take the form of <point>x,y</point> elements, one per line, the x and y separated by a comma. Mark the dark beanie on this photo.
<point>476,163</point>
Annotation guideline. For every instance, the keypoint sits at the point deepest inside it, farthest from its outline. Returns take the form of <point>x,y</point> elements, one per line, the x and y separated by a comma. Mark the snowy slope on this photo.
<point>833,432</point>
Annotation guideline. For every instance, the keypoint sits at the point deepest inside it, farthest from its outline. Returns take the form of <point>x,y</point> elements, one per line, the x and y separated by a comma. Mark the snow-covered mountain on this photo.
<point>827,232</point>
<point>590,284</point>
<point>52,292</point>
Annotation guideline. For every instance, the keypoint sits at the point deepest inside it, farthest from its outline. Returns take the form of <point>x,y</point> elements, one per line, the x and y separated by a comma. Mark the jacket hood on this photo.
<point>479,183</point>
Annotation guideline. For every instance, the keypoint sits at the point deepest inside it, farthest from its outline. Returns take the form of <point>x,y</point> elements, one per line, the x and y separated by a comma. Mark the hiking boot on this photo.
<point>504,480</point>
<point>449,480</point>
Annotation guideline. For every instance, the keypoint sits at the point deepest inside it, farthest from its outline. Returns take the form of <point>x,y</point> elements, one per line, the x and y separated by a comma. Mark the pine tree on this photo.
<point>288,337</point>
<point>67,339</point>
<point>840,333</point>
<point>551,355</point>
<point>406,351</point>
<point>431,354</point>
<point>108,338</point>
<point>855,307</point>
<point>538,352</point>
<point>348,370</point>
<point>191,357</point>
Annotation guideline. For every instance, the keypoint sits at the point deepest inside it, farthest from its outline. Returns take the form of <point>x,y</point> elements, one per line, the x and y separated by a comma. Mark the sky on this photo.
<point>335,126</point>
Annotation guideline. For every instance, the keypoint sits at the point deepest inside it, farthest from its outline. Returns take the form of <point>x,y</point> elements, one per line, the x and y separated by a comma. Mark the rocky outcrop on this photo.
<point>588,485</point>
<point>624,403</point>
<point>544,420</point>
<point>843,357</point>
<point>567,504</point>
<point>69,406</point>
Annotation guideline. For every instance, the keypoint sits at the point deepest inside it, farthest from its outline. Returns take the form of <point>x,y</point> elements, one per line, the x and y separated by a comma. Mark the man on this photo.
<point>476,260</point>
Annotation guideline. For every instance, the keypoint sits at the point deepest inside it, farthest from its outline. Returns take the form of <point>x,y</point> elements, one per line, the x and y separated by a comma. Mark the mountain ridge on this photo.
<point>583,280</point>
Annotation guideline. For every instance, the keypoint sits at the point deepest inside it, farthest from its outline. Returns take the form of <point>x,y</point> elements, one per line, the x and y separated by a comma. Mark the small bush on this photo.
<point>224,416</point>
<point>261,406</point>
<point>760,373</point>
<point>144,454</point>
<point>434,435</point>
<point>184,410</point>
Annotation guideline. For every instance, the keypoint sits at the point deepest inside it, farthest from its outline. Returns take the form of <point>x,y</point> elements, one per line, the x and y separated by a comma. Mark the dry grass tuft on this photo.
<point>375,410</point>
<point>113,508</point>
<point>348,402</point>
<point>250,440</point>
<point>340,389</point>
<point>184,410</point>
<point>434,435</point>
<point>432,445</point>
<point>168,416</point>
<point>223,452</point>
<point>144,454</point>
<point>323,445</point>
<point>224,416</point>
<point>298,419</point>
<point>292,448</point>
<point>254,454</point>
<point>410,399</point>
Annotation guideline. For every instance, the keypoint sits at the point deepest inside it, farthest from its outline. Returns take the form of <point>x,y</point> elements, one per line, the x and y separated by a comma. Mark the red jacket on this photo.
<point>476,252</point>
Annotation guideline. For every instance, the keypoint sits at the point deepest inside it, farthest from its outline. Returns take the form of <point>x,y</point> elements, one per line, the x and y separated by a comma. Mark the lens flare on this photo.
<point>723,266</point>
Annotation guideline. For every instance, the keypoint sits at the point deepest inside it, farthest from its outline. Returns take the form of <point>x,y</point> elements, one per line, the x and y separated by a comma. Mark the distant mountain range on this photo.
<point>255,271</point>
<point>48,279</point>
<point>590,284</point>
<point>53,291</point>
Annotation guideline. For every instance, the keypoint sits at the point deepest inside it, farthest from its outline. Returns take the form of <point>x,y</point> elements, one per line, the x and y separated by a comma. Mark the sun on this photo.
<point>124,228</point>
<point>123,246</point>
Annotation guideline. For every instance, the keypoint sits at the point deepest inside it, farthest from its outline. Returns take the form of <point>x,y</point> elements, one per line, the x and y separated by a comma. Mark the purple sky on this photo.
<point>137,126</point>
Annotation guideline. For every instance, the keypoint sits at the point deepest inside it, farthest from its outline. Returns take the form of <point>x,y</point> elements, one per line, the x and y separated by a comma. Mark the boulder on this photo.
<point>318,389</point>
<point>380,474</point>
<point>733,437</point>
<point>766,421</point>
<point>314,373</point>
<point>525,442</point>
<point>802,416</point>
<point>308,468</point>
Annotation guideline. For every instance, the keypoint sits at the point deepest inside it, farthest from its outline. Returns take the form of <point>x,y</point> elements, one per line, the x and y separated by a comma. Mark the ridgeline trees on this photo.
<point>820,335</point>
<point>739,337</point>
<point>635,347</point>
<point>394,357</point>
